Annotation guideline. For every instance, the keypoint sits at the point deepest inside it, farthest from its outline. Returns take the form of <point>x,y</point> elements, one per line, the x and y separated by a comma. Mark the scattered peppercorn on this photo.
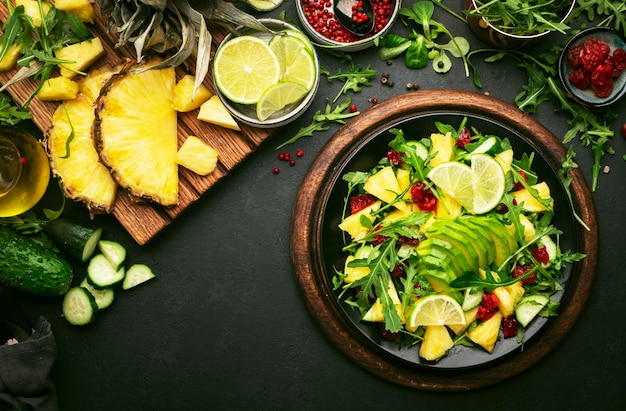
<point>276,170</point>
<point>385,74</point>
<point>353,108</point>
<point>440,64</point>
<point>389,83</point>
<point>300,153</point>
<point>389,62</point>
<point>384,80</point>
<point>373,100</point>
<point>624,130</point>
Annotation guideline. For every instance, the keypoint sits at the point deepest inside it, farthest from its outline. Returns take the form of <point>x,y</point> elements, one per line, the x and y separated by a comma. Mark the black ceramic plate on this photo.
<point>317,242</point>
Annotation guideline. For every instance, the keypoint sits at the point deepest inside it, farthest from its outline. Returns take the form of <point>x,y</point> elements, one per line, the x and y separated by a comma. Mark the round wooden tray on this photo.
<point>311,243</point>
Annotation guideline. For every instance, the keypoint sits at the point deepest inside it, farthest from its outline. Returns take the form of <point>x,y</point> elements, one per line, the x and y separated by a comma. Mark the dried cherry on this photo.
<point>423,197</point>
<point>360,201</point>
<point>595,66</point>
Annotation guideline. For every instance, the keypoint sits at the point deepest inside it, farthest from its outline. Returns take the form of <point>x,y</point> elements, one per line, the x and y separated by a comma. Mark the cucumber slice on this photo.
<point>79,306</point>
<point>114,252</point>
<point>101,273</point>
<point>528,308</point>
<point>76,238</point>
<point>472,298</point>
<point>486,145</point>
<point>103,297</point>
<point>137,274</point>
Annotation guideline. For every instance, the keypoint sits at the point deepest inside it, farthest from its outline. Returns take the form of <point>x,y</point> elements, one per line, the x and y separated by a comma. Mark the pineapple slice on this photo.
<point>384,185</point>
<point>79,56</point>
<point>354,273</point>
<point>529,202</point>
<point>443,147</point>
<point>486,334</point>
<point>352,224</point>
<point>505,159</point>
<point>470,317</point>
<point>213,111</point>
<point>76,164</point>
<point>185,99</point>
<point>91,85</point>
<point>81,8</point>
<point>375,313</point>
<point>197,156</point>
<point>436,343</point>
<point>448,207</point>
<point>136,133</point>
<point>58,88</point>
<point>529,228</point>
<point>10,57</point>
<point>508,297</point>
<point>31,9</point>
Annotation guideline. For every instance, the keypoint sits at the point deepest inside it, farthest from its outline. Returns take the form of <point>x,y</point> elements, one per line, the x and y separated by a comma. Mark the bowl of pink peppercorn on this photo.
<point>592,66</point>
<point>323,27</point>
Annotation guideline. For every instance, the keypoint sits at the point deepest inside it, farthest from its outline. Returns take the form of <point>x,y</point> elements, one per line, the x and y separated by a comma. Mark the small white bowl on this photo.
<point>356,45</point>
<point>246,113</point>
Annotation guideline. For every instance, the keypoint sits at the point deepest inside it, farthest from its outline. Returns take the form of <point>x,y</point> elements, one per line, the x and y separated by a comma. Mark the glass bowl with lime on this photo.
<point>266,79</point>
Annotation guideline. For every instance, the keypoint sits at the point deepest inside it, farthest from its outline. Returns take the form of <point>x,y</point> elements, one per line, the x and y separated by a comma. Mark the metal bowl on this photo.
<point>356,45</point>
<point>587,97</point>
<point>246,113</point>
<point>501,39</point>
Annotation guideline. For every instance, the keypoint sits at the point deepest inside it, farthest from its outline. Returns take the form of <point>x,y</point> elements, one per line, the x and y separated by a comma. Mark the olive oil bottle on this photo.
<point>24,171</point>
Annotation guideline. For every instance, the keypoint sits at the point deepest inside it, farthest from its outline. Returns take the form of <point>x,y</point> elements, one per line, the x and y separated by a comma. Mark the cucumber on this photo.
<point>137,274</point>
<point>30,267</point>
<point>528,308</point>
<point>104,297</point>
<point>101,274</point>
<point>79,306</point>
<point>114,252</point>
<point>486,146</point>
<point>472,298</point>
<point>78,239</point>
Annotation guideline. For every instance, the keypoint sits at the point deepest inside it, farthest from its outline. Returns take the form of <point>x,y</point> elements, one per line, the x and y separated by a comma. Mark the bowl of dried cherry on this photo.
<point>592,65</point>
<point>322,26</point>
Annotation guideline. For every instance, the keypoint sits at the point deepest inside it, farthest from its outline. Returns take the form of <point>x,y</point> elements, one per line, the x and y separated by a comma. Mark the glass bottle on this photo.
<point>24,171</point>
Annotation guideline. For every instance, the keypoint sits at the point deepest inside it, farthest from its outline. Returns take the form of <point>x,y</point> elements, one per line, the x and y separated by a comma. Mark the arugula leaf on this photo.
<point>10,113</point>
<point>353,77</point>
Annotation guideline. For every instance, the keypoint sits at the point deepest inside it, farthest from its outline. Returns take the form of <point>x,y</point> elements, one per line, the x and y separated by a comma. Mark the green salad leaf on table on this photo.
<point>449,240</point>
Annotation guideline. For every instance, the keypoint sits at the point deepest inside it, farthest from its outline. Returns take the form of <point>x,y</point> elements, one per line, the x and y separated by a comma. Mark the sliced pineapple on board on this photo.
<point>136,133</point>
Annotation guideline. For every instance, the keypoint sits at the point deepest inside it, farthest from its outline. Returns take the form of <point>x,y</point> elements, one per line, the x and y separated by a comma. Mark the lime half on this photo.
<point>244,67</point>
<point>440,309</point>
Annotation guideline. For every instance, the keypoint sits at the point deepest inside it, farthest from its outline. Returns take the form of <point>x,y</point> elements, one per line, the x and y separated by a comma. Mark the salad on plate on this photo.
<point>449,240</point>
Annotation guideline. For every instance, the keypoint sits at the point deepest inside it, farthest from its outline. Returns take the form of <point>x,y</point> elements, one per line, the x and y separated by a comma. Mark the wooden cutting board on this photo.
<point>144,220</point>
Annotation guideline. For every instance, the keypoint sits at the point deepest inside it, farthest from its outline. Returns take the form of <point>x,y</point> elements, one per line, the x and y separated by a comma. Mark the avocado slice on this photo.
<point>476,242</point>
<point>481,235</point>
<point>503,240</point>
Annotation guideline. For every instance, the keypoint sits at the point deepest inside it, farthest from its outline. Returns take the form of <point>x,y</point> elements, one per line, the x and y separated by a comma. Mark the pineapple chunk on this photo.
<point>353,274</point>
<point>486,334</point>
<point>529,202</point>
<point>436,343</point>
<point>91,85</point>
<point>10,57</point>
<point>448,207</point>
<point>443,148</point>
<point>529,228</point>
<point>79,56</point>
<point>213,111</point>
<point>505,159</point>
<point>76,164</point>
<point>81,8</point>
<point>58,88</point>
<point>352,224</point>
<point>31,9</point>
<point>508,297</point>
<point>136,133</point>
<point>375,313</point>
<point>185,99</point>
<point>197,156</point>
<point>384,185</point>
<point>404,181</point>
<point>470,317</point>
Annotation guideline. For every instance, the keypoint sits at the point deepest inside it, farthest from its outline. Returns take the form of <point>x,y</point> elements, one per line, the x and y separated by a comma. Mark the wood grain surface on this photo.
<point>144,220</point>
<point>307,252</point>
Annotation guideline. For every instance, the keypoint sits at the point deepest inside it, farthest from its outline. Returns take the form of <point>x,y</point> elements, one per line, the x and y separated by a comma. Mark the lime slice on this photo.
<point>301,36</point>
<point>488,183</point>
<point>456,180</point>
<point>264,5</point>
<point>301,69</point>
<point>244,67</point>
<point>440,309</point>
<point>279,96</point>
<point>478,188</point>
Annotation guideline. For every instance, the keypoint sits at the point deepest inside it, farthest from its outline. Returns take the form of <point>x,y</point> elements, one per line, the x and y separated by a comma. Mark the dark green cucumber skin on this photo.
<point>73,236</point>
<point>27,266</point>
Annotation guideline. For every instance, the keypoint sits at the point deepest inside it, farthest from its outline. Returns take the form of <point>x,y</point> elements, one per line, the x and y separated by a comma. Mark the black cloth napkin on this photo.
<point>25,368</point>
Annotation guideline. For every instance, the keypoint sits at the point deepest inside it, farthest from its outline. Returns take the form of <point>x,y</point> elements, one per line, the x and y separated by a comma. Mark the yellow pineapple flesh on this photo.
<point>436,343</point>
<point>136,133</point>
<point>76,164</point>
<point>486,334</point>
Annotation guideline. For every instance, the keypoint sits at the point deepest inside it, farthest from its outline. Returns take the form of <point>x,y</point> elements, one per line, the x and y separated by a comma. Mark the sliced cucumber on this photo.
<point>419,149</point>
<point>114,252</point>
<point>104,297</point>
<point>528,308</point>
<point>101,273</point>
<point>137,274</point>
<point>551,248</point>
<point>472,298</point>
<point>485,146</point>
<point>79,306</point>
<point>78,239</point>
